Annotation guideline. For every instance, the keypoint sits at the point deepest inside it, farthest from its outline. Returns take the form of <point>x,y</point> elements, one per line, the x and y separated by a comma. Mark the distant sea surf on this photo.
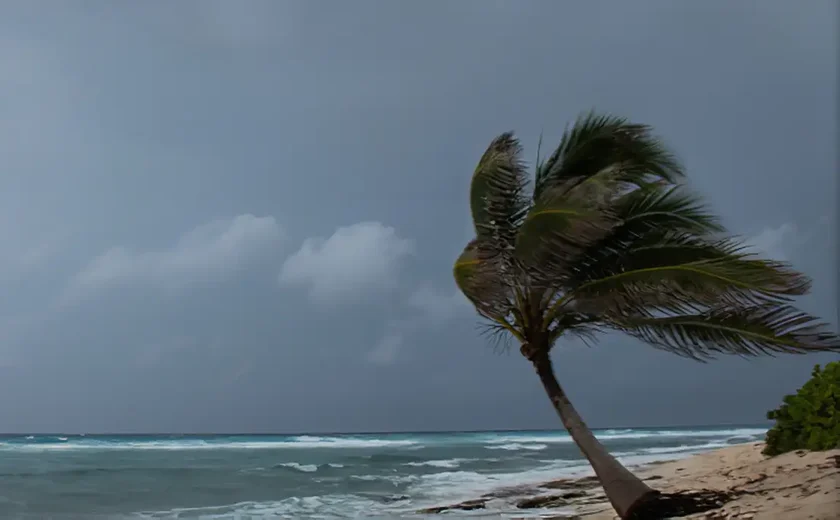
<point>304,476</point>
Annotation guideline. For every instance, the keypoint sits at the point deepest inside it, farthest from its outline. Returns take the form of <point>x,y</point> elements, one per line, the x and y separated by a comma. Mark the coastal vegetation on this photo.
<point>810,418</point>
<point>605,237</point>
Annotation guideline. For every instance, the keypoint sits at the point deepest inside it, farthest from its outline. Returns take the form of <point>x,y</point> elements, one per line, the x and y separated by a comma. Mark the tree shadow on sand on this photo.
<point>682,503</point>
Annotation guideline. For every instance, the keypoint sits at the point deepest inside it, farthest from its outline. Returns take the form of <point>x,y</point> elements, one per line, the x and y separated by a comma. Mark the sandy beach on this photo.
<point>794,486</point>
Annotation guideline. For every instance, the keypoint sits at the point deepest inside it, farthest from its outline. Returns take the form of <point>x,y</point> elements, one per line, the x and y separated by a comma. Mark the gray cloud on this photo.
<point>357,258</point>
<point>387,348</point>
<point>773,242</point>
<point>210,250</point>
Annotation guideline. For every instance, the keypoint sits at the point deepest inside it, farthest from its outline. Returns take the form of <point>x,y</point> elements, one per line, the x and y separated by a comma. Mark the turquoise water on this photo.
<point>303,476</point>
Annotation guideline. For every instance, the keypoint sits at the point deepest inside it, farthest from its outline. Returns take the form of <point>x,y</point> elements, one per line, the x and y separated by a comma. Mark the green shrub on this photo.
<point>809,419</point>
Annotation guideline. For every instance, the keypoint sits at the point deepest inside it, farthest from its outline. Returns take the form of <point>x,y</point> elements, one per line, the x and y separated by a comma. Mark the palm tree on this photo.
<point>606,239</point>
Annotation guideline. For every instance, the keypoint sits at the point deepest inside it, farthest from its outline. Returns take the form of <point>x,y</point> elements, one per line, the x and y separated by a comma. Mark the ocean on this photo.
<point>323,477</point>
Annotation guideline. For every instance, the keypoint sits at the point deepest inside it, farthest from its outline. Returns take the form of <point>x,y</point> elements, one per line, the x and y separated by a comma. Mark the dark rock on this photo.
<point>394,498</point>
<point>517,491</point>
<point>585,483</point>
<point>469,505</point>
<point>545,501</point>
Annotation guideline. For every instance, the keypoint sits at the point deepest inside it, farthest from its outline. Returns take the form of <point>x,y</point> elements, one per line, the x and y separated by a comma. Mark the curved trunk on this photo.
<point>625,491</point>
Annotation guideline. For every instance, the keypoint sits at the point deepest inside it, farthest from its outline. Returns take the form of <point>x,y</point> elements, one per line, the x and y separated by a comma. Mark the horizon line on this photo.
<point>396,432</point>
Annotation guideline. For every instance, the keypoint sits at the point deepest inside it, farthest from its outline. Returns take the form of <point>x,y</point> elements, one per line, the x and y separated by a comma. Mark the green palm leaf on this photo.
<point>557,230</point>
<point>684,277</point>
<point>606,146</point>
<point>663,206</point>
<point>480,281</point>
<point>746,331</point>
<point>642,217</point>
<point>498,195</point>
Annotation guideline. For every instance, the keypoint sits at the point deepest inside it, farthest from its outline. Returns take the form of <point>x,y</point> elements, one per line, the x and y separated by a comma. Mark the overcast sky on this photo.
<point>242,216</point>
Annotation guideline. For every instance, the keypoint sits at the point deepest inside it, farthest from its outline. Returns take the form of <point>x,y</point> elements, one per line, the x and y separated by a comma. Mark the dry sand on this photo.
<point>794,486</point>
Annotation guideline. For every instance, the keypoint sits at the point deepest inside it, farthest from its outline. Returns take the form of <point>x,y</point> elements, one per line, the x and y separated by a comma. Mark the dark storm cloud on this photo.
<point>242,216</point>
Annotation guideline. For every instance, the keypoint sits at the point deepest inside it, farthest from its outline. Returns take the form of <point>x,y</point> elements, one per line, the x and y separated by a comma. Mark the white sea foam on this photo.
<point>396,479</point>
<point>517,446</point>
<point>606,435</point>
<point>449,463</point>
<point>327,506</point>
<point>683,448</point>
<point>452,486</point>
<point>308,468</point>
<point>306,441</point>
<point>300,442</point>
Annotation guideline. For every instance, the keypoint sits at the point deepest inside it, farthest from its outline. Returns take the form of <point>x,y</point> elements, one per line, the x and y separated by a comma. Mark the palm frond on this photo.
<point>498,195</point>
<point>688,287</point>
<point>487,287</point>
<point>583,326</point>
<point>557,230</point>
<point>643,217</point>
<point>745,331</point>
<point>596,144</point>
<point>665,206</point>
<point>498,336</point>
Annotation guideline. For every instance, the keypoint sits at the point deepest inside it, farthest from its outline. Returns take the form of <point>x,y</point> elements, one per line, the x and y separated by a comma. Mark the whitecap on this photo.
<point>628,434</point>
<point>302,442</point>
<point>516,446</point>
<point>449,463</point>
<point>307,468</point>
<point>328,506</point>
<point>307,441</point>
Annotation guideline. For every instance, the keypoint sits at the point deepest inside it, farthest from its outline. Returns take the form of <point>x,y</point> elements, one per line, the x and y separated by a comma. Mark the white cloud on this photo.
<point>211,250</point>
<point>438,306</point>
<point>775,243</point>
<point>386,350</point>
<point>364,256</point>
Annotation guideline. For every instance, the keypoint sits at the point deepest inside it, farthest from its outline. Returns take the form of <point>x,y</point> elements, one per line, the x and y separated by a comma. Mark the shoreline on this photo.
<point>794,486</point>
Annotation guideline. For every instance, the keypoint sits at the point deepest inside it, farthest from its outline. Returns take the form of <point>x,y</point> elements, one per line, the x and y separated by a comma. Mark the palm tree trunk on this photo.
<point>625,491</point>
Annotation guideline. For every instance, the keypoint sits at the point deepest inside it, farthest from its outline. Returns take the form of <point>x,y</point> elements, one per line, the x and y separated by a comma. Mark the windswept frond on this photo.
<point>498,195</point>
<point>556,231</point>
<point>596,144</point>
<point>498,336</point>
<point>677,277</point>
<point>746,331</point>
<point>641,218</point>
<point>482,282</point>
<point>583,326</point>
<point>665,206</point>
